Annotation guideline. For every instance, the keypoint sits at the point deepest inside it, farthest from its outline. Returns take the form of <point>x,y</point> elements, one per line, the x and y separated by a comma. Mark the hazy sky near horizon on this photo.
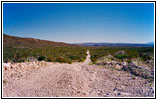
<point>81,22</point>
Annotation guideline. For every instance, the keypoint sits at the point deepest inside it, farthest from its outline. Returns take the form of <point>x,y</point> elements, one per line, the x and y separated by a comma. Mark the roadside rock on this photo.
<point>118,66</point>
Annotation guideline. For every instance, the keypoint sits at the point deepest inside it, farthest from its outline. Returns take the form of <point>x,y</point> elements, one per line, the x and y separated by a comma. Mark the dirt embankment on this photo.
<point>43,79</point>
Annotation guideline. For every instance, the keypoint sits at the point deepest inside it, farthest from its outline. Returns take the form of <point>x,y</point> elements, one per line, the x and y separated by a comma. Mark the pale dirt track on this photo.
<point>76,80</point>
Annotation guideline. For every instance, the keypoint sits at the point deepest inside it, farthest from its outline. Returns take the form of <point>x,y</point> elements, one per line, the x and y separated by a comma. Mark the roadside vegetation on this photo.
<point>70,54</point>
<point>50,54</point>
<point>144,53</point>
<point>138,61</point>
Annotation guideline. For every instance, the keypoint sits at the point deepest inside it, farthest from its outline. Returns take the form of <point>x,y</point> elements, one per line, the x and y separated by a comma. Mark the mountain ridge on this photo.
<point>14,41</point>
<point>150,44</point>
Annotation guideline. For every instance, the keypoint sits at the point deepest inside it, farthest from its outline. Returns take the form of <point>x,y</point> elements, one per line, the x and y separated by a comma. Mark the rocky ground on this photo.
<point>45,79</point>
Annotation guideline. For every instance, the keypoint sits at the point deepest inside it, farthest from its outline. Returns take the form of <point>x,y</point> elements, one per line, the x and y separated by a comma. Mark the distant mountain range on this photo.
<point>150,44</point>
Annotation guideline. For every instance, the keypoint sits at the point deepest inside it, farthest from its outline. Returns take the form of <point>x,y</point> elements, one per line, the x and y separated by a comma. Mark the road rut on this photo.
<point>75,80</point>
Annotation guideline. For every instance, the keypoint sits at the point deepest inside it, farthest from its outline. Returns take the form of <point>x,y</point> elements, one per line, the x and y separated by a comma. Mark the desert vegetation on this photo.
<point>127,53</point>
<point>50,54</point>
<point>18,49</point>
<point>97,71</point>
<point>138,61</point>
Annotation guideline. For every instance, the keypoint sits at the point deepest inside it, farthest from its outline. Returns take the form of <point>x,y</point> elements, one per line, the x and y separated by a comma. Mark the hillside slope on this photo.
<point>13,41</point>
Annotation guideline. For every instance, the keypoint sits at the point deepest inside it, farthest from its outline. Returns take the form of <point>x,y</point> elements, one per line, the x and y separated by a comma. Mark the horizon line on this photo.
<point>78,42</point>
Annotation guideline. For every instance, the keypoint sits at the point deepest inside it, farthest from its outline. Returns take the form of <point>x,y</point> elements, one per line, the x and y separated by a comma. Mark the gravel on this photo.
<point>44,79</point>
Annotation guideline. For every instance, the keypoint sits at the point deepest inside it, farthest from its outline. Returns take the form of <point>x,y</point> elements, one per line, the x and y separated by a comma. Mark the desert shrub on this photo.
<point>129,60</point>
<point>121,56</point>
<point>62,60</point>
<point>51,59</point>
<point>73,57</point>
<point>73,53</point>
<point>81,60</point>
<point>145,56</point>
<point>50,53</point>
<point>145,53</point>
<point>41,58</point>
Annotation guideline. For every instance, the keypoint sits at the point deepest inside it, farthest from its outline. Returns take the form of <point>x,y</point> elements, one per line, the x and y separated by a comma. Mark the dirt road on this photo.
<point>75,80</point>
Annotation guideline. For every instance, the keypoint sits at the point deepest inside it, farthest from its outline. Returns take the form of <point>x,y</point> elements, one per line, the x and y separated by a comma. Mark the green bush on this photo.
<point>41,58</point>
<point>73,57</point>
<point>62,60</point>
<point>145,56</point>
<point>121,56</point>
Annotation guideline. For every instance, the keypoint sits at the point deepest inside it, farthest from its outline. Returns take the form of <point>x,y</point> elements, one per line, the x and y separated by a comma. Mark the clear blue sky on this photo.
<point>81,22</point>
